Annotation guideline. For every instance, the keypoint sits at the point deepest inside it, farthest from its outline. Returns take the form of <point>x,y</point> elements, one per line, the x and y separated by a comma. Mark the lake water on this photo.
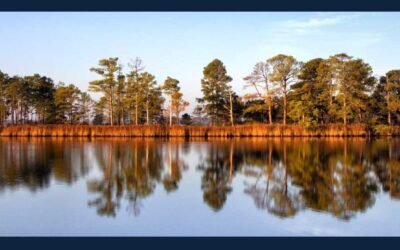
<point>155,187</point>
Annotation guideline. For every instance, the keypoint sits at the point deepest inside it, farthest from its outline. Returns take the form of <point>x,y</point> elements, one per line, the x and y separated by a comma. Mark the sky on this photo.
<point>65,45</point>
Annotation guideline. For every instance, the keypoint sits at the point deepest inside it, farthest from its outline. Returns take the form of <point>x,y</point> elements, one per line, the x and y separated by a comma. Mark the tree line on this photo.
<point>339,89</point>
<point>36,99</point>
<point>281,89</point>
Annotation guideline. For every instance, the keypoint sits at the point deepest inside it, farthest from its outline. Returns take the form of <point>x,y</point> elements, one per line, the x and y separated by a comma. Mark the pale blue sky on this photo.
<point>64,46</point>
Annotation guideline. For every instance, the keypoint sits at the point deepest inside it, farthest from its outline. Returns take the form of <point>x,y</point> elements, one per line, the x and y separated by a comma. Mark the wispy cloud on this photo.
<point>313,22</point>
<point>326,32</point>
<point>305,26</point>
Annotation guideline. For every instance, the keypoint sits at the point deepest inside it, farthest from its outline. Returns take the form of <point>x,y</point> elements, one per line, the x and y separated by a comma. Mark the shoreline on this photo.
<point>247,130</point>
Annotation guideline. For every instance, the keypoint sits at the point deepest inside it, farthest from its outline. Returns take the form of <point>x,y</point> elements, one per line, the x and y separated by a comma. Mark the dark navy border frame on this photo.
<point>209,243</point>
<point>200,5</point>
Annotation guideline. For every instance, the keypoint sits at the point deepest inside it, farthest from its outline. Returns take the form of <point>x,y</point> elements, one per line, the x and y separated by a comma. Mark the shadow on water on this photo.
<point>341,177</point>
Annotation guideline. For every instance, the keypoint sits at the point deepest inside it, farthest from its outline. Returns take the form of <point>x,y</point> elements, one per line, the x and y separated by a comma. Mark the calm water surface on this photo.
<point>216,187</point>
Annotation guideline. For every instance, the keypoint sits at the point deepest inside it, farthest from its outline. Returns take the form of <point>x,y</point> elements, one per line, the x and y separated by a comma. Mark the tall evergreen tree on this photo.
<point>120,96</point>
<point>42,93</point>
<point>305,103</point>
<point>3,105</point>
<point>152,96</point>
<point>108,70</point>
<point>284,70</point>
<point>178,104</point>
<point>85,108</point>
<point>66,100</point>
<point>216,91</point>
<point>134,95</point>
<point>171,88</point>
<point>355,81</point>
<point>392,88</point>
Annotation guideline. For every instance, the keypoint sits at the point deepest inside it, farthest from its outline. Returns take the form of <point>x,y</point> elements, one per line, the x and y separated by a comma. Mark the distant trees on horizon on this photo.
<point>281,89</point>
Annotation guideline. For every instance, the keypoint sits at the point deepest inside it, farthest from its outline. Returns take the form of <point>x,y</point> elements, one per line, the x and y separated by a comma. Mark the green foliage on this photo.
<point>264,88</point>
<point>171,88</point>
<point>66,101</point>
<point>321,91</point>
<point>391,82</point>
<point>85,108</point>
<point>134,96</point>
<point>305,104</point>
<point>108,69</point>
<point>186,119</point>
<point>255,111</point>
<point>354,81</point>
<point>3,105</point>
<point>285,70</point>
<point>215,88</point>
<point>152,97</point>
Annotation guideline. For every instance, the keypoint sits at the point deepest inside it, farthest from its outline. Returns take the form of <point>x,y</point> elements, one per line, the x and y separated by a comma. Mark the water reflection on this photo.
<point>324,175</point>
<point>175,166</point>
<point>31,163</point>
<point>282,176</point>
<point>130,170</point>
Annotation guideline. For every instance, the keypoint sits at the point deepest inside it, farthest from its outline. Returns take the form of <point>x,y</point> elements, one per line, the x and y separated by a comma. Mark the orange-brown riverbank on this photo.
<point>252,130</point>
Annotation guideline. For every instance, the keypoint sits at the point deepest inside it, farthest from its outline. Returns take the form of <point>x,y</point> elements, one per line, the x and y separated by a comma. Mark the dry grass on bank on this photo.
<point>251,130</point>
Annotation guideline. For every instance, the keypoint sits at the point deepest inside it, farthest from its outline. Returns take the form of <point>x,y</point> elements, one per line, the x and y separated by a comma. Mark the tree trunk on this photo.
<point>270,113</point>
<point>70,115</point>
<point>17,114</point>
<point>344,111</point>
<point>43,117</point>
<point>231,108</point>
<point>284,101</point>
<point>268,101</point>
<point>12,116</point>
<point>136,114</point>
<point>110,110</point>
<point>177,117</point>
<point>170,110</point>
<point>388,101</point>
<point>147,114</point>
<point>330,93</point>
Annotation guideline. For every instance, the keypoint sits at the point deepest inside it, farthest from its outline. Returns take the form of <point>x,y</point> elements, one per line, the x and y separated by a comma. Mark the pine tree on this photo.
<point>216,92</point>
<point>284,71</point>
<point>134,96</point>
<point>108,68</point>
<point>171,88</point>
<point>3,105</point>
<point>392,88</point>
<point>305,104</point>
<point>354,83</point>
<point>152,96</point>
<point>178,104</point>
<point>85,108</point>
<point>66,100</point>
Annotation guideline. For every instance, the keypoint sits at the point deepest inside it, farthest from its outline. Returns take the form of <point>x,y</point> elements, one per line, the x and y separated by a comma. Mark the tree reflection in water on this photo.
<point>217,169</point>
<point>131,170</point>
<point>331,176</point>
<point>175,166</point>
<point>275,193</point>
<point>340,177</point>
<point>33,162</point>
